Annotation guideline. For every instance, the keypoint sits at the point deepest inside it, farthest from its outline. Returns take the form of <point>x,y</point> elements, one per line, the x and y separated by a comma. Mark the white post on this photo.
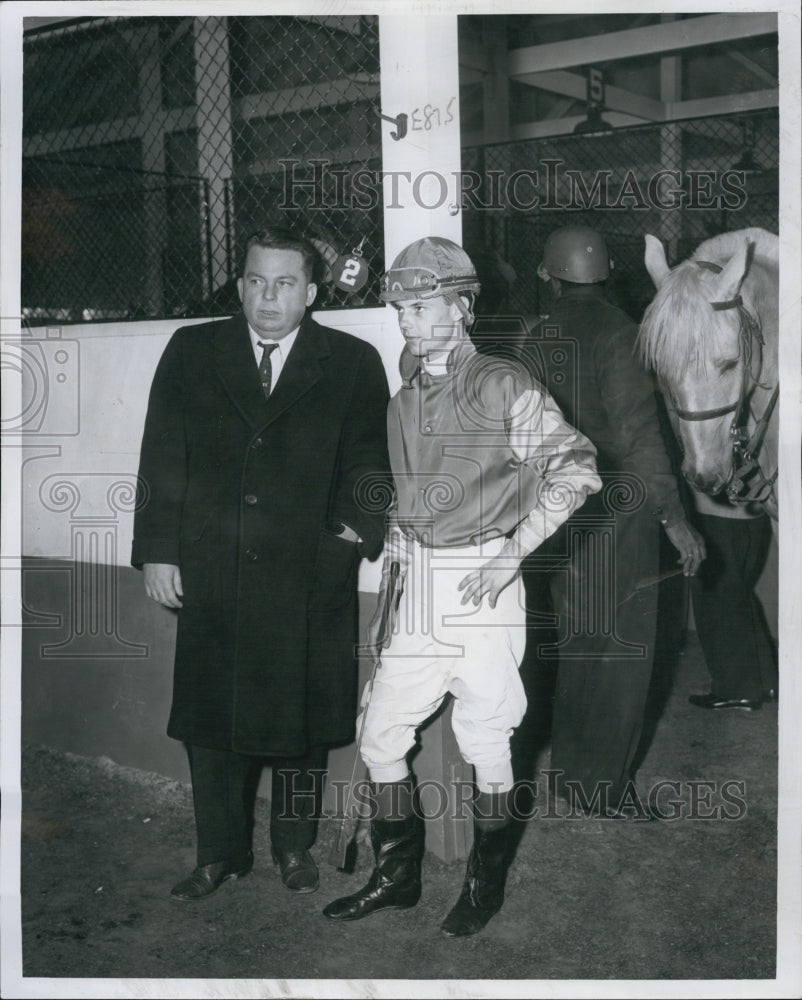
<point>420,79</point>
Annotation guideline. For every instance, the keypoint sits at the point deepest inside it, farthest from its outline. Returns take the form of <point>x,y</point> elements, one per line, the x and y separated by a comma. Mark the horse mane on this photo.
<point>679,324</point>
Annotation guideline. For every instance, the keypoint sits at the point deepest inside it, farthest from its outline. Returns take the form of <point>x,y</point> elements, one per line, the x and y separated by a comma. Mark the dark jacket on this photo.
<point>584,352</point>
<point>240,491</point>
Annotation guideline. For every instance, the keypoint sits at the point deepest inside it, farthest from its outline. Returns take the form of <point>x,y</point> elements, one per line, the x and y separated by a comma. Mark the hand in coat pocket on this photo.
<point>334,580</point>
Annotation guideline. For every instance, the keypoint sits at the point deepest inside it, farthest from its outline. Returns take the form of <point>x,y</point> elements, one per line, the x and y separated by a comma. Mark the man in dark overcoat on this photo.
<point>604,590</point>
<point>263,470</point>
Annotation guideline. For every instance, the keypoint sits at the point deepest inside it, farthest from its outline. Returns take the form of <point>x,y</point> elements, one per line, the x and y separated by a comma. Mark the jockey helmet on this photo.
<point>430,267</point>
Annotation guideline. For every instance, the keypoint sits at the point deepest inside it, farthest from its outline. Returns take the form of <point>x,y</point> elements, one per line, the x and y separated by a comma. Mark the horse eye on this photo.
<point>727,366</point>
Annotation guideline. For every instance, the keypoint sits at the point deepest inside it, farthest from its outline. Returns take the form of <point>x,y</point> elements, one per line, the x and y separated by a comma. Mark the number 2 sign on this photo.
<point>350,272</point>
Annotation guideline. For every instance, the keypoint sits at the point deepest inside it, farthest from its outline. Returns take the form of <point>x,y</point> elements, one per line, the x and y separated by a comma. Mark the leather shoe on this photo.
<point>298,869</point>
<point>713,701</point>
<point>207,878</point>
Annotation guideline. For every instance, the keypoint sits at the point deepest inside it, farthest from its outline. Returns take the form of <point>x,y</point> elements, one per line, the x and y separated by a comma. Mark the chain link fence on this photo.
<point>152,146</point>
<point>682,181</point>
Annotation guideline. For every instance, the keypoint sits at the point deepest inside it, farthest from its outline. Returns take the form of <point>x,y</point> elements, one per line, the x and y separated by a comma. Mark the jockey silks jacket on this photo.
<point>480,450</point>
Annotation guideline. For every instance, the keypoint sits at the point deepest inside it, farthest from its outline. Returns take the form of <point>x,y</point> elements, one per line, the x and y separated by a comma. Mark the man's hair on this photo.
<point>286,239</point>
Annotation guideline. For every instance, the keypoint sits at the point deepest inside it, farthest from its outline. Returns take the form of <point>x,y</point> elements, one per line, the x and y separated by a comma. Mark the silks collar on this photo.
<point>410,365</point>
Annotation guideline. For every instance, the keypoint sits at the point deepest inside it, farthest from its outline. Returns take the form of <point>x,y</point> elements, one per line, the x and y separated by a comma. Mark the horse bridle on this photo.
<point>745,449</point>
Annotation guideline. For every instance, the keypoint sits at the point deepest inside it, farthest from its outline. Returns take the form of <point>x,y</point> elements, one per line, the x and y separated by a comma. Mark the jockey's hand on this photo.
<point>491,579</point>
<point>690,545</point>
<point>163,584</point>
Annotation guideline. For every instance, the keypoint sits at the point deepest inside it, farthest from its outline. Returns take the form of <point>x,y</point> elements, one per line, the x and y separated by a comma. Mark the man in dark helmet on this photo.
<point>584,353</point>
<point>485,469</point>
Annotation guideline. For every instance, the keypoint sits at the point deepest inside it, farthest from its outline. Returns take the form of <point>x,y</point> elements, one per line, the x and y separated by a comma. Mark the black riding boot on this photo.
<point>483,888</point>
<point>395,838</point>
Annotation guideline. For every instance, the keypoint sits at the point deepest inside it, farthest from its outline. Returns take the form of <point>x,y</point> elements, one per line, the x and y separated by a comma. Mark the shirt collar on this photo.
<point>284,345</point>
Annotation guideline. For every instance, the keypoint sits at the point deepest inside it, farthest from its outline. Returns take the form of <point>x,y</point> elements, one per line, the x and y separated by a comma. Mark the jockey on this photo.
<point>485,469</point>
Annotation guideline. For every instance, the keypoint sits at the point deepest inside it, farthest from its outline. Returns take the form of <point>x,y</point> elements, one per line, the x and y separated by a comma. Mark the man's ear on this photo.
<point>311,292</point>
<point>239,288</point>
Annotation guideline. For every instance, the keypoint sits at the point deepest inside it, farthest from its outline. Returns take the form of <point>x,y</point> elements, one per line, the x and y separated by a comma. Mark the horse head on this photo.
<point>702,338</point>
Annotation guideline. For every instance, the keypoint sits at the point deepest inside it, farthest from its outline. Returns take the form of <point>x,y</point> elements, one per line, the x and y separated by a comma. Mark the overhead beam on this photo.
<point>277,162</point>
<point>675,111</point>
<point>307,98</point>
<point>754,67</point>
<point>100,133</point>
<point>727,104</point>
<point>561,108</point>
<point>656,38</point>
<point>561,126</point>
<point>575,86</point>
<point>549,127</point>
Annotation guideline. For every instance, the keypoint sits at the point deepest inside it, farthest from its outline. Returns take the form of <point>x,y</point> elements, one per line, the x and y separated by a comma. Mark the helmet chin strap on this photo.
<point>467,312</point>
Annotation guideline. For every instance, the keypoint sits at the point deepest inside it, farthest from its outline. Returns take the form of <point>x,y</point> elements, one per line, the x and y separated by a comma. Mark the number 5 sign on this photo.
<point>595,87</point>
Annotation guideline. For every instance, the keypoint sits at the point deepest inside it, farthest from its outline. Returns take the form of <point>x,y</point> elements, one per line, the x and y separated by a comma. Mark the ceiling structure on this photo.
<point>526,76</point>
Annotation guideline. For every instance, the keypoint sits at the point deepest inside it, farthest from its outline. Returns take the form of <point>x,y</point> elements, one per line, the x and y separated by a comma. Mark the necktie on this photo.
<point>266,367</point>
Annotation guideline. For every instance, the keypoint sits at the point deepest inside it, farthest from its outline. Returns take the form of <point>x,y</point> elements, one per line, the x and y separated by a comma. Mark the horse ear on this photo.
<point>729,281</point>
<point>654,257</point>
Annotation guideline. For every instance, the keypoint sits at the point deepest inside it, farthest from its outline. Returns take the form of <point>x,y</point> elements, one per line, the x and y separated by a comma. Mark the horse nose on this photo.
<point>689,471</point>
<point>706,483</point>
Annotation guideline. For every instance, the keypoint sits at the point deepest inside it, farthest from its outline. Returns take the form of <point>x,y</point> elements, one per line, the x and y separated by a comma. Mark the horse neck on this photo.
<point>760,293</point>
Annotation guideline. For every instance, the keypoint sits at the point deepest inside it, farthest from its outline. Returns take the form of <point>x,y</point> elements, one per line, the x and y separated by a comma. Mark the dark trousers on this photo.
<point>729,619</point>
<point>223,790</point>
<point>606,625</point>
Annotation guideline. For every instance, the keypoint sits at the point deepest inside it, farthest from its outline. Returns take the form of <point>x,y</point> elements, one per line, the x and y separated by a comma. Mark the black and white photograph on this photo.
<point>401,514</point>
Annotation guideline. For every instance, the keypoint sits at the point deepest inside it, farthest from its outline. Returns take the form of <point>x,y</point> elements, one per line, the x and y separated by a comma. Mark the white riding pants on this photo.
<point>439,646</point>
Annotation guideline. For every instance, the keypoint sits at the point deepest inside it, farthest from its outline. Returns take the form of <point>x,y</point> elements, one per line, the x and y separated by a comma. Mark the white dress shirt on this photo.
<point>278,358</point>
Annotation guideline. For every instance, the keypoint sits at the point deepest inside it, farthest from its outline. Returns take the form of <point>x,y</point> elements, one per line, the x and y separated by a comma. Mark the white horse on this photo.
<point>711,336</point>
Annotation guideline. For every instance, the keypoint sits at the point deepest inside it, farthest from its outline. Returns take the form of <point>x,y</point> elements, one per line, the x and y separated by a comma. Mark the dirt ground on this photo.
<point>687,898</point>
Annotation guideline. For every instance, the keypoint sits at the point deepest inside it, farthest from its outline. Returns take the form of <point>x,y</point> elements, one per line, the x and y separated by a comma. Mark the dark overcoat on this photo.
<point>245,495</point>
<point>586,357</point>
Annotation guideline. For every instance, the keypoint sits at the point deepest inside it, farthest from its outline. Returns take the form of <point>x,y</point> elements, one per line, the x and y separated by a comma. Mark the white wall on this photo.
<point>86,391</point>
